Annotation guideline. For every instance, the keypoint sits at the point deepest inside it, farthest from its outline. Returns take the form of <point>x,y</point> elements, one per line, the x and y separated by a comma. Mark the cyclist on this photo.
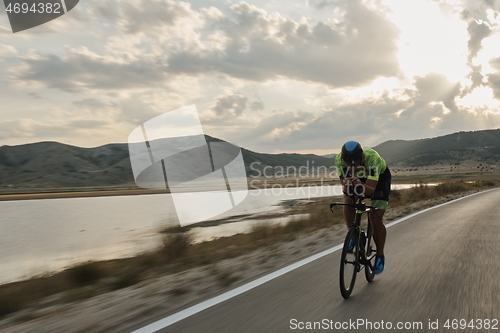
<point>370,176</point>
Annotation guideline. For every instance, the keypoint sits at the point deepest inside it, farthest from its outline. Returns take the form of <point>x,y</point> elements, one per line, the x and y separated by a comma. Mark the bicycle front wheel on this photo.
<point>349,263</point>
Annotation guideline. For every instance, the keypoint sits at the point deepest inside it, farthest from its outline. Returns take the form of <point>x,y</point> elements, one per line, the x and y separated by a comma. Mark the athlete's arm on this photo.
<point>370,186</point>
<point>376,165</point>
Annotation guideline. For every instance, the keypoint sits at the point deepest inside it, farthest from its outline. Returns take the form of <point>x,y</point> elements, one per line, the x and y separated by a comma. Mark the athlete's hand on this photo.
<point>350,180</point>
<point>355,180</point>
<point>349,183</point>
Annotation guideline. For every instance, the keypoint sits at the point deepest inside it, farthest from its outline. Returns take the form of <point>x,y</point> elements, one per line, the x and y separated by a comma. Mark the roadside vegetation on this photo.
<point>178,252</point>
<point>422,191</point>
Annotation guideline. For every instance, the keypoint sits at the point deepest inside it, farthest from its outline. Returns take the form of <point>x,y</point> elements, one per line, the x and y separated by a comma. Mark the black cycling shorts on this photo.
<point>383,188</point>
<point>380,197</point>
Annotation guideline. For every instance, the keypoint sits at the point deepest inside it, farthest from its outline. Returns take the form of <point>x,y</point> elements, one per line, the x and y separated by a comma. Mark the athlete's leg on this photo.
<point>349,212</point>
<point>379,232</point>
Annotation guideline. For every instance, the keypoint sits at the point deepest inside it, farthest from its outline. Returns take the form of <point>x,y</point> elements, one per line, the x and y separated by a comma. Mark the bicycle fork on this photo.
<point>361,240</point>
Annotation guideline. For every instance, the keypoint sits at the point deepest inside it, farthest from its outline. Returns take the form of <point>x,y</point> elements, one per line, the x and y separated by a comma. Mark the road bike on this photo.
<point>361,255</point>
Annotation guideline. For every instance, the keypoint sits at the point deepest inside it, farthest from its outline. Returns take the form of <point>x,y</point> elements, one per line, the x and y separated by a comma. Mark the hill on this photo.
<point>57,165</point>
<point>53,164</point>
<point>462,148</point>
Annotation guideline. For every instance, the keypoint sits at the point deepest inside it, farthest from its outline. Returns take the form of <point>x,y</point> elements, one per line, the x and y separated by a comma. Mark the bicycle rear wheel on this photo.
<point>370,255</point>
<point>349,264</point>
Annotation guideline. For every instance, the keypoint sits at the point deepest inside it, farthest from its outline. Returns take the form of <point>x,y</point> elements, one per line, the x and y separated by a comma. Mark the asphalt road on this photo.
<point>441,265</point>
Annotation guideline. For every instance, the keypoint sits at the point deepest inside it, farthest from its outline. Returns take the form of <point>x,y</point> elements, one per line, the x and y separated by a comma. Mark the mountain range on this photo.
<point>461,148</point>
<point>57,165</point>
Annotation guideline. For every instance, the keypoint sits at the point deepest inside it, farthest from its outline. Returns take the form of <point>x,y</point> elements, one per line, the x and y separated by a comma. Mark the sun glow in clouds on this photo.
<point>480,98</point>
<point>390,87</point>
<point>430,42</point>
<point>489,51</point>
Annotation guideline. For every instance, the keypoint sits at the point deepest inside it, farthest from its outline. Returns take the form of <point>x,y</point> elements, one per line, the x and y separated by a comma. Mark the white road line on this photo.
<point>427,209</point>
<point>167,321</point>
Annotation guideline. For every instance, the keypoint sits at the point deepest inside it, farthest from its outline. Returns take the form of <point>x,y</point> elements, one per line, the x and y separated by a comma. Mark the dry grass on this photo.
<point>422,191</point>
<point>79,282</point>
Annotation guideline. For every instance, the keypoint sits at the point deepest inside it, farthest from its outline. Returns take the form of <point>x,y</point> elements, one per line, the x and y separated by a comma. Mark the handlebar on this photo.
<point>359,206</point>
<point>351,191</point>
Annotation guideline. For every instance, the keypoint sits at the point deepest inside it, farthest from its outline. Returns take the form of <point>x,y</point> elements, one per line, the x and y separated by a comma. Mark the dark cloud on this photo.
<point>435,87</point>
<point>494,82</point>
<point>476,77</point>
<point>34,95</point>
<point>134,16</point>
<point>479,28</point>
<point>495,63</point>
<point>233,104</point>
<point>80,70</point>
<point>257,105</point>
<point>490,3</point>
<point>139,16</point>
<point>371,117</point>
<point>263,131</point>
<point>90,102</point>
<point>477,9</point>
<point>107,9</point>
<point>477,33</point>
<point>259,47</point>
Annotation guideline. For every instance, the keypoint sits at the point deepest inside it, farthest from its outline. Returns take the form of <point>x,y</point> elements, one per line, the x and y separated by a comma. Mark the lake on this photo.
<point>40,236</point>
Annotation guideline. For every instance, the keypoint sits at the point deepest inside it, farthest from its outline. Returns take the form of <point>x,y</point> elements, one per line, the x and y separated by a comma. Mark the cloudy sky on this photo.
<point>272,76</point>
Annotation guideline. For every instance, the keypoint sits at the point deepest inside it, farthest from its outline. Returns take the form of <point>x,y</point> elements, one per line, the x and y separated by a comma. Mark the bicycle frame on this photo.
<point>361,208</point>
<point>361,255</point>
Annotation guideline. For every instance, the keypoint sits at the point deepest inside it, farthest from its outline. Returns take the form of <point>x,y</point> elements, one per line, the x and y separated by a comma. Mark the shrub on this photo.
<point>487,183</point>
<point>295,226</point>
<point>85,274</point>
<point>175,245</point>
<point>225,278</point>
<point>395,194</point>
<point>9,303</point>
<point>178,291</point>
<point>129,278</point>
<point>261,231</point>
<point>449,187</point>
<point>80,294</point>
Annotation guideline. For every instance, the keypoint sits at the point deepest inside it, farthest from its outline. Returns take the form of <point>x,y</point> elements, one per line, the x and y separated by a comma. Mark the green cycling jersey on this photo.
<point>372,165</point>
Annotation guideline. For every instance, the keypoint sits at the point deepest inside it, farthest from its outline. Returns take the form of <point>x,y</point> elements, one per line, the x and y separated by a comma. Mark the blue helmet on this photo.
<point>352,153</point>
